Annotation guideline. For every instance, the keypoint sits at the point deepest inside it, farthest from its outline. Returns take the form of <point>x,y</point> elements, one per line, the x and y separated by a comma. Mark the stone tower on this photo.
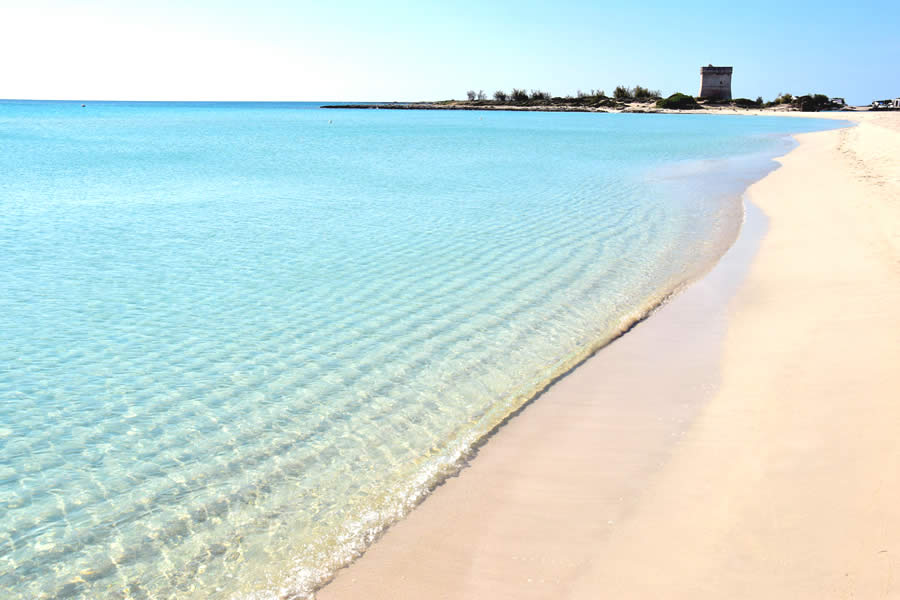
<point>715,82</point>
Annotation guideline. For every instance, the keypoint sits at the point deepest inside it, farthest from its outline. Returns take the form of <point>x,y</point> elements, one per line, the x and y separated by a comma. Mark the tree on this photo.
<point>481,95</point>
<point>812,103</point>
<point>500,96</point>
<point>471,94</point>
<point>518,95</point>
<point>622,93</point>
<point>784,99</point>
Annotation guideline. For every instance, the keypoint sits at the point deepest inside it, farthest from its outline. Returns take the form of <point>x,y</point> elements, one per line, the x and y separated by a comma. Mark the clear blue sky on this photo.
<point>425,50</point>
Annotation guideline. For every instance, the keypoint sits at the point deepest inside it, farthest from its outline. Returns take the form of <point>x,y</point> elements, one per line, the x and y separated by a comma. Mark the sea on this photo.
<point>239,340</point>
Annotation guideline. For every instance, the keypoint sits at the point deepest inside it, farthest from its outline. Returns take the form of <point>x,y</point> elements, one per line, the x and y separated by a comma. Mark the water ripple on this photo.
<point>236,344</point>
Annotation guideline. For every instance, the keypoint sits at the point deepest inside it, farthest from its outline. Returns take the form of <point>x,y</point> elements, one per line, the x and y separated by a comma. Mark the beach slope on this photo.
<point>758,457</point>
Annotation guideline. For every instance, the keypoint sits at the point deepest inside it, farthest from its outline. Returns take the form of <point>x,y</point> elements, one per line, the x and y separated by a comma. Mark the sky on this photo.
<point>358,50</point>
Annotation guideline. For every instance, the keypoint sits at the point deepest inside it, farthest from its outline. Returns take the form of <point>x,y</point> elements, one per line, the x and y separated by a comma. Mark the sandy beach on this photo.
<point>742,442</point>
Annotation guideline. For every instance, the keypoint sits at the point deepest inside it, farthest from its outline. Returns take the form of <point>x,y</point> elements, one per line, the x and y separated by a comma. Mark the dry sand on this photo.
<point>743,442</point>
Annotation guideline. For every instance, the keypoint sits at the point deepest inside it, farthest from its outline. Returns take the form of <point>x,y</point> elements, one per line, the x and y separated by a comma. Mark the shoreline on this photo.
<point>632,107</point>
<point>492,530</point>
<point>463,455</point>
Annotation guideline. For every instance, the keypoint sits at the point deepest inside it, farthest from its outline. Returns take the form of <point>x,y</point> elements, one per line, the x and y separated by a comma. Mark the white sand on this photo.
<point>726,448</point>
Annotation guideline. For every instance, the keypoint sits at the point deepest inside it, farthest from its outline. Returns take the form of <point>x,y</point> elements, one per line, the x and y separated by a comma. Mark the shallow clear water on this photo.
<point>238,340</point>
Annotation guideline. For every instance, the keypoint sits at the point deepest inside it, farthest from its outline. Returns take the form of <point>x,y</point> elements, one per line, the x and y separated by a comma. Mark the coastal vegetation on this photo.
<point>805,103</point>
<point>636,93</point>
<point>748,103</point>
<point>678,101</point>
<point>814,103</point>
<point>595,98</point>
<point>517,95</point>
<point>624,98</point>
<point>521,97</point>
<point>781,99</point>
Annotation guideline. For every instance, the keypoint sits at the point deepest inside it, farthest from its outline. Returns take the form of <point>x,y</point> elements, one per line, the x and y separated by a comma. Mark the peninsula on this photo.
<point>623,100</point>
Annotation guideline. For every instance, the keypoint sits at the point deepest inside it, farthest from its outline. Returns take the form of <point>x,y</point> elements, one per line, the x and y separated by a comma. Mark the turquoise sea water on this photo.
<point>238,340</point>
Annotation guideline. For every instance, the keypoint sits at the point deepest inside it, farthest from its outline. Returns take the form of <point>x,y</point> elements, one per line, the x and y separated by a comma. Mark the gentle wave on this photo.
<point>240,342</point>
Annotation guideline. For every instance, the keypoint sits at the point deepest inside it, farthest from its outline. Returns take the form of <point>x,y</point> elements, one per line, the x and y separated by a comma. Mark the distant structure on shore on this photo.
<point>886,104</point>
<point>715,82</point>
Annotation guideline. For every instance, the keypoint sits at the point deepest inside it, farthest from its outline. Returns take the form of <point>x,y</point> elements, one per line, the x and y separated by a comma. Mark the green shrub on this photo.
<point>784,99</point>
<point>643,93</point>
<point>678,102</point>
<point>518,95</point>
<point>746,103</point>
<point>813,103</point>
<point>576,101</point>
<point>622,93</point>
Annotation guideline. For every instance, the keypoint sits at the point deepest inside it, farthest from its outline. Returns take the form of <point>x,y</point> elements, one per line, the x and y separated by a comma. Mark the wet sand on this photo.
<point>743,442</point>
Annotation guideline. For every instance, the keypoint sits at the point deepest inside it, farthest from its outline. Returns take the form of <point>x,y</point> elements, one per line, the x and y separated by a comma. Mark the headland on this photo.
<point>624,100</point>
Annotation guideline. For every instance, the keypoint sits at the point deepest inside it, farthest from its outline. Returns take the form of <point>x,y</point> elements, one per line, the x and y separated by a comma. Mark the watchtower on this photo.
<point>715,82</point>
